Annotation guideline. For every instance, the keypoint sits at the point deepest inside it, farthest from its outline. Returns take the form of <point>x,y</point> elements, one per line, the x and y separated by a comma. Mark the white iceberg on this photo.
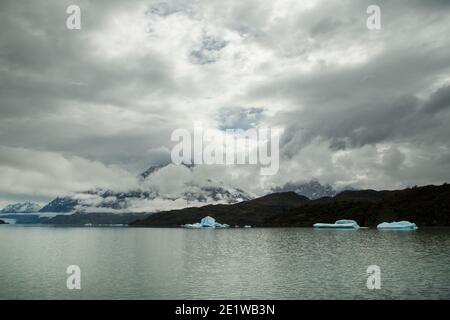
<point>401,225</point>
<point>339,224</point>
<point>206,223</point>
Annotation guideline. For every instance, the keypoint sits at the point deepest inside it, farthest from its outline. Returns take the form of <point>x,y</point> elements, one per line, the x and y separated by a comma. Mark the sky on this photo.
<point>92,108</point>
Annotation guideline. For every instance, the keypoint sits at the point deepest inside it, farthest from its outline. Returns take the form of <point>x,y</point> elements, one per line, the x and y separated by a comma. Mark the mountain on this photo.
<point>425,206</point>
<point>99,218</point>
<point>64,204</point>
<point>267,205</point>
<point>312,189</point>
<point>99,198</point>
<point>24,207</point>
<point>149,196</point>
<point>254,212</point>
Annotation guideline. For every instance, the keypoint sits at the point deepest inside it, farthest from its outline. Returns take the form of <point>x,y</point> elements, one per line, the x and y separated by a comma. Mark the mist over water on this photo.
<point>278,263</point>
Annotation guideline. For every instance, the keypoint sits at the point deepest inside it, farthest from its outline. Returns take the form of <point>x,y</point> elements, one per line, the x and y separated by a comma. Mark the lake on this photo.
<point>266,263</point>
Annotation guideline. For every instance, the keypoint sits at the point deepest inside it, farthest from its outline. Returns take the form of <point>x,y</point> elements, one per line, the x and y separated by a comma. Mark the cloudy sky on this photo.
<point>88,108</point>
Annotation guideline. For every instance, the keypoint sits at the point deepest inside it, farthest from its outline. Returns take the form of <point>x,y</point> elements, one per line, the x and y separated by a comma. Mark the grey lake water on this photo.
<point>279,263</point>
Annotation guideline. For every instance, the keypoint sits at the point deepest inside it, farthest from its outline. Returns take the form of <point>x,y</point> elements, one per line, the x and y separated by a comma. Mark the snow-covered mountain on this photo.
<point>312,189</point>
<point>160,188</point>
<point>164,187</point>
<point>106,200</point>
<point>24,207</point>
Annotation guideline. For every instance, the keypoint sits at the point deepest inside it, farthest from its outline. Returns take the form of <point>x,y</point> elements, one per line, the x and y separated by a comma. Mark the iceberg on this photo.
<point>192,225</point>
<point>206,223</point>
<point>401,225</point>
<point>339,224</point>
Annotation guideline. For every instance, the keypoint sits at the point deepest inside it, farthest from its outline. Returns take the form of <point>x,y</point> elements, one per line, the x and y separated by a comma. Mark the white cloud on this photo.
<point>31,172</point>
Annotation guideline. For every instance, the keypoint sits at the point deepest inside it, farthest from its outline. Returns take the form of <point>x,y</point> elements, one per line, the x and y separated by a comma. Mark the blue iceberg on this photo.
<point>206,223</point>
<point>401,225</point>
<point>339,224</point>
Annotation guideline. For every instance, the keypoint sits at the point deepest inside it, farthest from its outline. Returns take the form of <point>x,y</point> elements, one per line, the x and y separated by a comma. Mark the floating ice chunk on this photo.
<point>193,226</point>
<point>218,225</point>
<point>205,223</point>
<point>339,224</point>
<point>401,225</point>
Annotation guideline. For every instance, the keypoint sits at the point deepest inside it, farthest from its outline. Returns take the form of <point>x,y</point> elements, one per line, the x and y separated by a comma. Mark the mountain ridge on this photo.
<point>21,207</point>
<point>426,206</point>
<point>139,199</point>
<point>312,189</point>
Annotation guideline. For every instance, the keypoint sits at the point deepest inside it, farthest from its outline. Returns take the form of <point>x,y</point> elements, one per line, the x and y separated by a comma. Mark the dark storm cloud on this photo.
<point>49,63</point>
<point>439,101</point>
<point>367,103</point>
<point>50,77</point>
